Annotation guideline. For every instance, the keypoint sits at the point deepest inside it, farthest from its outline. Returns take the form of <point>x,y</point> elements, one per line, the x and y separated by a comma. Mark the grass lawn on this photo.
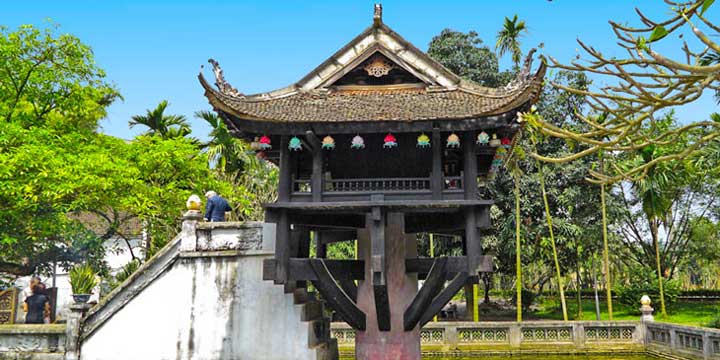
<point>695,313</point>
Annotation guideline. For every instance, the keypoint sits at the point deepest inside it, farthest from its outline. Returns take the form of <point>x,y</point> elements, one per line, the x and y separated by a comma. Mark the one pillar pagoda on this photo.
<point>378,143</point>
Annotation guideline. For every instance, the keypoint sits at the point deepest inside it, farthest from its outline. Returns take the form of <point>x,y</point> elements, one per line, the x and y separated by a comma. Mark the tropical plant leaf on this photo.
<point>658,33</point>
<point>706,5</point>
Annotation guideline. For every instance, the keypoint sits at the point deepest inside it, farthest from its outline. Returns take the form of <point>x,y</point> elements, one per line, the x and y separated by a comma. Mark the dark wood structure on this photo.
<point>376,89</point>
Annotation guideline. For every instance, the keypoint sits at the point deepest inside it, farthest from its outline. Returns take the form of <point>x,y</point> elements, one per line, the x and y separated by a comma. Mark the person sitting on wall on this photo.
<point>216,207</point>
<point>37,305</point>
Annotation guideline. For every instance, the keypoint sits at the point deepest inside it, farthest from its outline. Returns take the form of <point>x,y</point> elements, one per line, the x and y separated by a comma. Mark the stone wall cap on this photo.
<point>33,329</point>
<point>229,225</point>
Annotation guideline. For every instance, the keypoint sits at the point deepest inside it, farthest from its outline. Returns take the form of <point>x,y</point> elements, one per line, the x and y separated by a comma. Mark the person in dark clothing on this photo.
<point>38,306</point>
<point>216,207</point>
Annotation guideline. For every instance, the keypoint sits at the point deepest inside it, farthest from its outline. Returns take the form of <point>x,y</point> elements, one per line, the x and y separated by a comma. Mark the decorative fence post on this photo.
<point>189,225</point>
<point>72,330</point>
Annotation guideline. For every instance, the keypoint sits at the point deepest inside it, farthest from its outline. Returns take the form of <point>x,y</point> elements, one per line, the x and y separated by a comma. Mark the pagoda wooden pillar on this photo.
<point>470,169</point>
<point>316,186</point>
<point>395,343</point>
<point>284,177</point>
<point>436,180</point>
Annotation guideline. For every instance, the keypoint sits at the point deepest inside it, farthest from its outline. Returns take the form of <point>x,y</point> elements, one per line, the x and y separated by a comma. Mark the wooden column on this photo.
<point>285,180</point>
<point>472,242</point>
<point>469,166</point>
<point>320,247</point>
<point>316,178</point>
<point>282,247</point>
<point>436,181</point>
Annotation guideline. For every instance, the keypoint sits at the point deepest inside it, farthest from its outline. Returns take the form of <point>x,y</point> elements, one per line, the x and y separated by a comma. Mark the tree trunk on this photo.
<point>606,252</point>
<point>579,283</point>
<point>518,269</point>
<point>548,217</point>
<point>654,233</point>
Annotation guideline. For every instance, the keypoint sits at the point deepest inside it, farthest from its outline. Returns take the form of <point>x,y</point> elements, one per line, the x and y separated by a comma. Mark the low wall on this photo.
<point>507,338</point>
<point>32,342</point>
<point>683,341</point>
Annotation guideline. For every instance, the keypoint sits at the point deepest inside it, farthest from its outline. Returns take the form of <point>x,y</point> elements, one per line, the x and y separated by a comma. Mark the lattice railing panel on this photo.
<point>547,334</point>
<point>690,341</point>
<point>432,336</point>
<point>609,333</point>
<point>471,335</point>
<point>661,336</point>
<point>344,336</point>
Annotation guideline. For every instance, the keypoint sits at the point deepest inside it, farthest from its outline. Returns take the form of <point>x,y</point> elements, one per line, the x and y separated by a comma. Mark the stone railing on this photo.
<point>32,341</point>
<point>684,341</point>
<point>467,338</point>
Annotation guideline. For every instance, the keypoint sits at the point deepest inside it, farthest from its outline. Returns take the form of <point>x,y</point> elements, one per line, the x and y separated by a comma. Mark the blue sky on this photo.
<point>152,50</point>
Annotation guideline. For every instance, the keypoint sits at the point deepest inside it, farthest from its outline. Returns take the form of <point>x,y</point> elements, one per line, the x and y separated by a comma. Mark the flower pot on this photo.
<point>81,298</point>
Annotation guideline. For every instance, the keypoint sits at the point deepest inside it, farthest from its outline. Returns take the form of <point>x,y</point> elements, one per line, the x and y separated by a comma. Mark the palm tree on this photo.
<point>514,169</point>
<point>166,126</point>
<point>508,39</point>
<point>223,149</point>
<point>652,191</point>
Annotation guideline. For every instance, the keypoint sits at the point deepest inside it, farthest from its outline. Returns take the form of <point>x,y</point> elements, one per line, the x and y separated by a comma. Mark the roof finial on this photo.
<point>377,17</point>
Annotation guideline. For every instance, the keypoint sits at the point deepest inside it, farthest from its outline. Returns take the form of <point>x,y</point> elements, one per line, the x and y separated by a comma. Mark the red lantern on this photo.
<point>505,141</point>
<point>390,141</point>
<point>265,143</point>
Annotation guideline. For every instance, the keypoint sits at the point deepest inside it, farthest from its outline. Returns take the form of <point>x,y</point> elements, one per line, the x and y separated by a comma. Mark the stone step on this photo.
<point>312,310</point>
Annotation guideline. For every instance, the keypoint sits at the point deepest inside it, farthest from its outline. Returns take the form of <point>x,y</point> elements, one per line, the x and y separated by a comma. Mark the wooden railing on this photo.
<point>383,185</point>
<point>450,184</point>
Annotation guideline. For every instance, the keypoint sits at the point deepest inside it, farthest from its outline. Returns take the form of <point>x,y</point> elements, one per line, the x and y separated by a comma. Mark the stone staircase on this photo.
<point>312,313</point>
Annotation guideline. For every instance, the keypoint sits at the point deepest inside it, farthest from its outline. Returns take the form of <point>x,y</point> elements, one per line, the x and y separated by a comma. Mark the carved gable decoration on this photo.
<point>376,70</point>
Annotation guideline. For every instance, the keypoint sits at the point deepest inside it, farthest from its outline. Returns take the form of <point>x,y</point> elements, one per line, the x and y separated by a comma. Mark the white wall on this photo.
<point>205,308</point>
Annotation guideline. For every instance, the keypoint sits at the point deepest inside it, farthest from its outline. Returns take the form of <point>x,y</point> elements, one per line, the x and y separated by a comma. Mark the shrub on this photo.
<point>629,295</point>
<point>527,298</point>
<point>82,279</point>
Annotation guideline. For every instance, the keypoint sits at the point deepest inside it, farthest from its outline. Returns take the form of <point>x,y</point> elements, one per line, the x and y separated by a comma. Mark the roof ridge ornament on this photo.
<point>524,74</point>
<point>377,15</point>
<point>223,86</point>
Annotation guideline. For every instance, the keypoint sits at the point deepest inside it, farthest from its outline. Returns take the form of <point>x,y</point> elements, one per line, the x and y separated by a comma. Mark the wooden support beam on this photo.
<point>285,174</point>
<point>433,284</point>
<point>332,236</point>
<point>455,264</point>
<point>320,245</point>
<point>300,269</point>
<point>316,179</point>
<point>473,245</point>
<point>340,221</point>
<point>470,170</point>
<point>349,287</point>
<point>282,247</point>
<point>443,297</point>
<point>335,296</point>
<point>482,215</point>
<point>436,180</point>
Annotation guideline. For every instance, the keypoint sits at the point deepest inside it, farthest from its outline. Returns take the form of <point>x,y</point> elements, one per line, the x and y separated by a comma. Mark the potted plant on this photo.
<point>82,280</point>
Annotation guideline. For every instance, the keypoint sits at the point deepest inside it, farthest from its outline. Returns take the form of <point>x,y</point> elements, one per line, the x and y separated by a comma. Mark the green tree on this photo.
<point>465,55</point>
<point>158,123</point>
<point>508,39</point>
<point>223,149</point>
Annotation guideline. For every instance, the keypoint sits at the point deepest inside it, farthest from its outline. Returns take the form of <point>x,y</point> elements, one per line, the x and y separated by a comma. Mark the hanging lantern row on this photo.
<point>389,142</point>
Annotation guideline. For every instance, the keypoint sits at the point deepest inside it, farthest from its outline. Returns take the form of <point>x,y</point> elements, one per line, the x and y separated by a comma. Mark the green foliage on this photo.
<point>82,279</point>
<point>465,55</point>
<point>528,298</point>
<point>508,38</point>
<point>642,281</point>
<point>715,322</point>
<point>166,126</point>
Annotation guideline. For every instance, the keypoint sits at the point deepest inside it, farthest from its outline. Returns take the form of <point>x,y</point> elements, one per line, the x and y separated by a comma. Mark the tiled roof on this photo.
<point>368,105</point>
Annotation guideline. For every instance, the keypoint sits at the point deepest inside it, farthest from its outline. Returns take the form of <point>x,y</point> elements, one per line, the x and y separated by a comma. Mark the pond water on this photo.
<point>546,357</point>
<point>553,357</point>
